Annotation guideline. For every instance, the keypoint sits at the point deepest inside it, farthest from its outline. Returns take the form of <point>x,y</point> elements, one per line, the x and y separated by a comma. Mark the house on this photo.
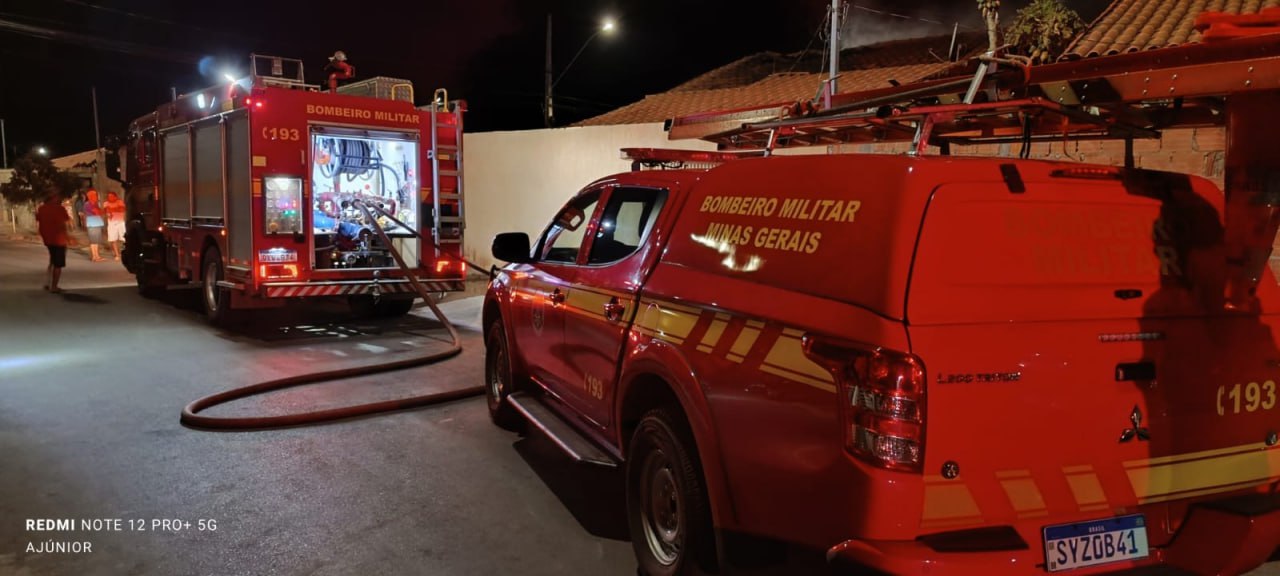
<point>769,77</point>
<point>90,167</point>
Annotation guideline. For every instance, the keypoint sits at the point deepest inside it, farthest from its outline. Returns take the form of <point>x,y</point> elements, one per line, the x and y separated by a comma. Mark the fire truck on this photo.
<point>268,189</point>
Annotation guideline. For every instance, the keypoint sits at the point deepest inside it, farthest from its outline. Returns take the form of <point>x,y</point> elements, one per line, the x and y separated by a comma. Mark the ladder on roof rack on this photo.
<point>1025,120</point>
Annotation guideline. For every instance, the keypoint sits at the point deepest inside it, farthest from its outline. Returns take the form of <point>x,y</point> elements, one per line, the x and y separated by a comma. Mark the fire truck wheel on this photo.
<point>216,299</point>
<point>667,507</point>
<point>498,379</point>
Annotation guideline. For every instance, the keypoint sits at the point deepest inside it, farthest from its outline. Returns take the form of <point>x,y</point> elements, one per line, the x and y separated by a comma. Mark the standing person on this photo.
<point>54,222</point>
<point>114,208</point>
<point>94,222</point>
<point>71,211</point>
<point>79,205</point>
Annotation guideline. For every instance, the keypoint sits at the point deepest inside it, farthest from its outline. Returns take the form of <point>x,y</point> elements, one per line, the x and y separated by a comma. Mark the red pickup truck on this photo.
<point>916,365</point>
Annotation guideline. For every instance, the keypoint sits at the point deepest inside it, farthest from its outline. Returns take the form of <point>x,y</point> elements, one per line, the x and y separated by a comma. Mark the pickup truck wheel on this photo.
<point>666,506</point>
<point>498,379</point>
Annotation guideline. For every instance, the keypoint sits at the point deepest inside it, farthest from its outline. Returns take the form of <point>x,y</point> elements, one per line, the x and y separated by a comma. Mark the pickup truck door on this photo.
<point>602,304</point>
<point>540,290</point>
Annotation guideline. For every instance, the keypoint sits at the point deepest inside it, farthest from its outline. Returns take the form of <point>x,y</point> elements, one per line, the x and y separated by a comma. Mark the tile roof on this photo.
<point>1134,25</point>
<point>77,160</point>
<point>771,78</point>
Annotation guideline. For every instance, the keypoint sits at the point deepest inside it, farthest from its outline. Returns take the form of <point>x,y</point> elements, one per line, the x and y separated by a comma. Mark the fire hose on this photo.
<point>191,413</point>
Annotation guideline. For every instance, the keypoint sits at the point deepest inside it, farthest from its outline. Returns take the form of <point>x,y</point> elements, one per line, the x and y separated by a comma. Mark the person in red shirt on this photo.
<point>54,222</point>
<point>114,207</point>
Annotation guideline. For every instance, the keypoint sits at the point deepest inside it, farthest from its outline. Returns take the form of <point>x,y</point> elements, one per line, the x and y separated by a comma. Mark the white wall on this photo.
<point>515,181</point>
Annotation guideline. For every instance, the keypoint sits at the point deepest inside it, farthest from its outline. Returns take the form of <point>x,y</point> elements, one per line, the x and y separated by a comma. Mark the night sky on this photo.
<point>490,52</point>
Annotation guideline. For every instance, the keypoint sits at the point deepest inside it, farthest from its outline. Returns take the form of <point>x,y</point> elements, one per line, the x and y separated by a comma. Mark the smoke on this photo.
<point>871,24</point>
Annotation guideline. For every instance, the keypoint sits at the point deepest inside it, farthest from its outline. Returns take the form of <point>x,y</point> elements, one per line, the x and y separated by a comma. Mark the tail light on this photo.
<point>882,400</point>
<point>277,271</point>
<point>449,267</point>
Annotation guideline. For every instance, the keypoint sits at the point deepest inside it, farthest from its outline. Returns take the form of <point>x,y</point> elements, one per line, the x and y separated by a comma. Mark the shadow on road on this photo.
<point>594,495</point>
<point>82,298</point>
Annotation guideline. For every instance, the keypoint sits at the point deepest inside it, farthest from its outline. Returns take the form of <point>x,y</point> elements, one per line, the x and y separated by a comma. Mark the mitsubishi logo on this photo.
<point>1137,430</point>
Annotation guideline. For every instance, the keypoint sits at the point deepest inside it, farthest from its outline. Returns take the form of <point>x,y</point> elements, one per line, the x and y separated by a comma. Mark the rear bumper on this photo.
<point>1230,536</point>
<point>354,287</point>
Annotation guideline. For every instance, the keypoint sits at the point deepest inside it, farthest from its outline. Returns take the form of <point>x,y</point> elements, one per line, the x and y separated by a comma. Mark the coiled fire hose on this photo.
<point>191,417</point>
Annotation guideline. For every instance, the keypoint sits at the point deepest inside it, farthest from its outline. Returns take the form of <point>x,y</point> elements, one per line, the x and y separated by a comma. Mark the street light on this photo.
<point>41,150</point>
<point>607,26</point>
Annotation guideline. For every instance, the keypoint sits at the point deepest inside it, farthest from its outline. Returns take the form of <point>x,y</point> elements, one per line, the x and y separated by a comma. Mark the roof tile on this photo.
<point>1134,25</point>
<point>770,78</point>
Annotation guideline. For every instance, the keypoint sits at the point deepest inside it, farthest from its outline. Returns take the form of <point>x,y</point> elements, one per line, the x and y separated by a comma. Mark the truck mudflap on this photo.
<point>351,287</point>
<point>1228,536</point>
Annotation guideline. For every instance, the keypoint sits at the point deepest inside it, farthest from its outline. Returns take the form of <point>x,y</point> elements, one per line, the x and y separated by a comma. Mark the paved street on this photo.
<point>91,386</point>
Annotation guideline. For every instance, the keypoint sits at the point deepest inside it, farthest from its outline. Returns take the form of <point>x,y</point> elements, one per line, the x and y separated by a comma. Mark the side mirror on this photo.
<point>512,247</point>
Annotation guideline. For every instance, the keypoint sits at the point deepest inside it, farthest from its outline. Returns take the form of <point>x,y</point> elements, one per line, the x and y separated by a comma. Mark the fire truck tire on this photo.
<point>143,276</point>
<point>498,379</point>
<point>217,300</point>
<point>667,508</point>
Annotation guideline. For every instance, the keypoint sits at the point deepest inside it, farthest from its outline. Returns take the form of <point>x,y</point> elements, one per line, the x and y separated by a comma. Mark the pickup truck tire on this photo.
<point>498,380</point>
<point>667,507</point>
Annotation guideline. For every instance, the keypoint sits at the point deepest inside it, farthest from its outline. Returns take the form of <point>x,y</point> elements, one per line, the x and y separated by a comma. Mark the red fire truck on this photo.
<point>267,189</point>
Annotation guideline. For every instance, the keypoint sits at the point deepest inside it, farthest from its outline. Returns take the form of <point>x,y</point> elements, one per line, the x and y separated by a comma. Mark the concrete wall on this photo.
<point>515,181</point>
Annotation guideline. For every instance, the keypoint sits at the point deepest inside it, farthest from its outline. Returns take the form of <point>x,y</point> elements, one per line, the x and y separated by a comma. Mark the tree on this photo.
<point>34,178</point>
<point>991,15</point>
<point>1042,30</point>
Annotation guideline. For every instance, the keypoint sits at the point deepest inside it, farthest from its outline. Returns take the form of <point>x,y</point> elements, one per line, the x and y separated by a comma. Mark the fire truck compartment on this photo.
<point>378,170</point>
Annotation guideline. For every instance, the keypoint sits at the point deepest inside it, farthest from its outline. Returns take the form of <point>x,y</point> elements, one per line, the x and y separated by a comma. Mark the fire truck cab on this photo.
<point>267,189</point>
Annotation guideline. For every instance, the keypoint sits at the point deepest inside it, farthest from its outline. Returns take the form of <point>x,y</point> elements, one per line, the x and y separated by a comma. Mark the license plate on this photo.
<point>1069,546</point>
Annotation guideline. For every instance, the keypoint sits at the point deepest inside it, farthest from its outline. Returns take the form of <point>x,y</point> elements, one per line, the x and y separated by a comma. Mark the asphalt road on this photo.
<point>91,386</point>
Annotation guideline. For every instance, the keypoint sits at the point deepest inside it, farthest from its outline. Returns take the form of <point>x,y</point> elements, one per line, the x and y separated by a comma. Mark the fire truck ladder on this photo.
<point>446,176</point>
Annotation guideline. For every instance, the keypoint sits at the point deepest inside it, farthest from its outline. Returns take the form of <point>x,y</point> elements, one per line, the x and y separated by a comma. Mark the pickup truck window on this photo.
<point>628,217</point>
<point>563,239</point>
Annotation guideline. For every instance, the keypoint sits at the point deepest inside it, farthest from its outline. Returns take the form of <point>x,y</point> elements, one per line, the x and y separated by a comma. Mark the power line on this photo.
<point>148,18</point>
<point>905,17</point>
<point>131,48</point>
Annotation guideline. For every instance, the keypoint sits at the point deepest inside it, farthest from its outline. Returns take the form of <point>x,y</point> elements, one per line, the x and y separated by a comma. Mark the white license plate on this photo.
<point>1069,546</point>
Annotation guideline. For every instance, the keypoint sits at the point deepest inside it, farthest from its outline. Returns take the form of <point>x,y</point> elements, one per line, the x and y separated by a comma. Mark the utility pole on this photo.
<point>97,136</point>
<point>835,52</point>
<point>548,113</point>
<point>4,144</point>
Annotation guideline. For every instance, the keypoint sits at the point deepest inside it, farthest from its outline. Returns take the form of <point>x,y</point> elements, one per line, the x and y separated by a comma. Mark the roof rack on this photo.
<point>1025,120</point>
<point>279,71</point>
<point>669,158</point>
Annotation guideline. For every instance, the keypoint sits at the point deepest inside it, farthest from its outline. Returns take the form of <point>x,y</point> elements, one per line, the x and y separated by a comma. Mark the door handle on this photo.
<point>613,310</point>
<point>556,296</point>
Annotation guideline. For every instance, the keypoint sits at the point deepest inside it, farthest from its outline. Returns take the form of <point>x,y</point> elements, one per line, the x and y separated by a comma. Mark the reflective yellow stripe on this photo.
<point>786,359</point>
<point>746,339</point>
<point>714,332</point>
<point>1160,482</point>
<point>1085,487</point>
<point>949,502</point>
